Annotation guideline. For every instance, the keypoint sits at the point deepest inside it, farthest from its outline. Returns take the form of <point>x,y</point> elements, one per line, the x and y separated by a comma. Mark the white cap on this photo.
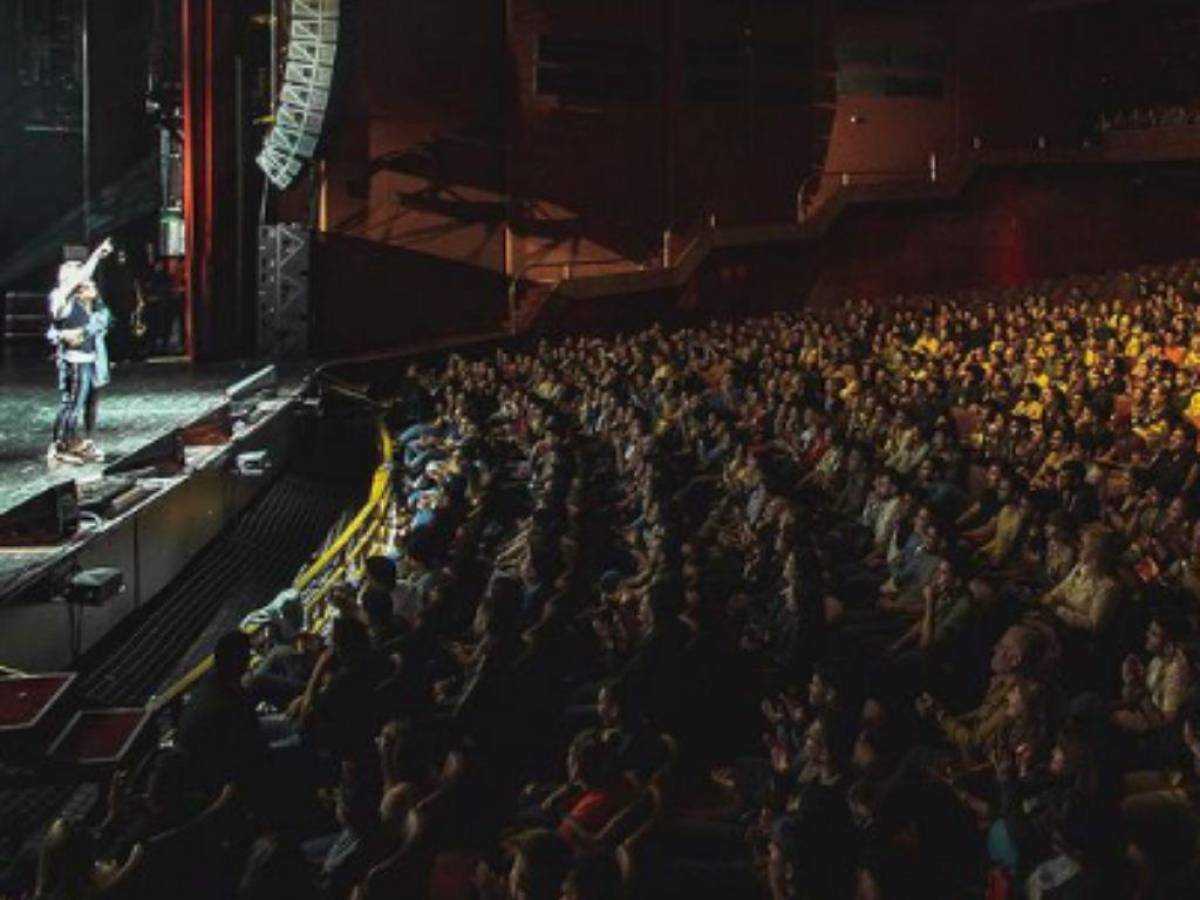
<point>69,271</point>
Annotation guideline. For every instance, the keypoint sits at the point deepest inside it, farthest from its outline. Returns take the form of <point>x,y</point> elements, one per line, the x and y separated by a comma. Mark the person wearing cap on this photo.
<point>79,320</point>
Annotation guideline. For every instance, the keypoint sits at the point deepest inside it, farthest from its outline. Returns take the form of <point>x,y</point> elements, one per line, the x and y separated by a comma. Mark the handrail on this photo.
<point>357,535</point>
<point>377,495</point>
<point>897,174</point>
<point>574,263</point>
<point>654,261</point>
<point>955,171</point>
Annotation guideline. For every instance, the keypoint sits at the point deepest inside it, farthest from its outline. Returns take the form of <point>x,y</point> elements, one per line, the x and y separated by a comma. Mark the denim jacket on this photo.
<point>97,326</point>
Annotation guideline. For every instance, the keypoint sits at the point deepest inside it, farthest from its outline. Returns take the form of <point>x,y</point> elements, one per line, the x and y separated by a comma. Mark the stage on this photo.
<point>200,545</point>
<point>171,482</point>
<point>143,401</point>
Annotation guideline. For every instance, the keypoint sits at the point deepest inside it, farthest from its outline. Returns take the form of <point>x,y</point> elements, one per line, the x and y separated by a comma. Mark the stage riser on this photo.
<point>151,544</point>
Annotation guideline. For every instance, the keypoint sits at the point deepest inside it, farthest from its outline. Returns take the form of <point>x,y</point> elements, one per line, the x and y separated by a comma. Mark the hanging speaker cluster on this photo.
<point>304,97</point>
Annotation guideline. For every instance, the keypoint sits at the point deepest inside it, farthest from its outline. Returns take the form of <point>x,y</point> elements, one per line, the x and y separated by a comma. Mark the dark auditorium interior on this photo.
<point>600,449</point>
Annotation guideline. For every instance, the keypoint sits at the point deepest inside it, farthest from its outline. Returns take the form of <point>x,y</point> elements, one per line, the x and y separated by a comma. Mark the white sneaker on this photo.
<point>90,452</point>
<point>74,456</point>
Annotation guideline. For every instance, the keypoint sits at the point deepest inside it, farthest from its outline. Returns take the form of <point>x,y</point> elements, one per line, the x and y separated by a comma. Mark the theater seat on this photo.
<point>629,820</point>
<point>405,874</point>
<point>192,861</point>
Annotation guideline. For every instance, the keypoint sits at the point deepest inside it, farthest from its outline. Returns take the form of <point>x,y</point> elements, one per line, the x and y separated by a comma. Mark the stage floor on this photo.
<point>143,401</point>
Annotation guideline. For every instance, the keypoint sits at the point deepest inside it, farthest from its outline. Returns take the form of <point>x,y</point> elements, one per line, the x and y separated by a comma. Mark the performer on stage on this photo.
<point>79,320</point>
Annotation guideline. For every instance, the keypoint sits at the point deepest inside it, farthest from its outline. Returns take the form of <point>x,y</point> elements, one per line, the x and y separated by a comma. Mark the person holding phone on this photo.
<point>79,320</point>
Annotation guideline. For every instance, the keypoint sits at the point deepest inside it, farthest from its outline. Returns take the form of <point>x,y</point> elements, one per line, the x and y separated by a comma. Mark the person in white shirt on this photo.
<point>78,322</point>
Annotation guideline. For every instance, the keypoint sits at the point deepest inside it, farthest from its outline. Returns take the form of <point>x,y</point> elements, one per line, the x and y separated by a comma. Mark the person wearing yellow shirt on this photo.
<point>1153,694</point>
<point>1192,411</point>
<point>1150,418</point>
<point>1030,404</point>
<point>1087,598</point>
<point>1048,340</point>
<point>999,537</point>
<point>1191,359</point>
<point>1056,455</point>
<point>1133,346</point>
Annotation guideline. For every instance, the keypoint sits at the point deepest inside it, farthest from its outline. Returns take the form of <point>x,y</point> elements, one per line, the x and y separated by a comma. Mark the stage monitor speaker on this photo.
<point>304,97</point>
<point>162,457</point>
<point>48,518</point>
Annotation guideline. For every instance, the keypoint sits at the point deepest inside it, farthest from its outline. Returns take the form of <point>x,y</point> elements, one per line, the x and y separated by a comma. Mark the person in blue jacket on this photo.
<point>79,320</point>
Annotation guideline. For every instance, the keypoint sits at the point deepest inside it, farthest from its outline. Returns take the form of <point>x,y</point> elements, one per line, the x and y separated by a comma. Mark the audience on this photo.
<point>945,547</point>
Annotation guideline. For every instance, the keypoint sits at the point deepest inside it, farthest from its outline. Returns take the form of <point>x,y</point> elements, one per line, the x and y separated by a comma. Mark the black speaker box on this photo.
<point>48,518</point>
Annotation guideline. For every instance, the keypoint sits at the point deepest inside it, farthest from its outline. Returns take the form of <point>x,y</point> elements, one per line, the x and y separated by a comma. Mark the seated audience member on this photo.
<point>947,608</point>
<point>1034,799</point>
<point>385,629</point>
<point>69,870</point>
<point>1086,599</point>
<point>540,862</point>
<point>276,870</point>
<point>134,817</point>
<point>416,589</point>
<point>1019,653</point>
<point>596,790</point>
<point>338,711</point>
<point>595,876</point>
<point>1076,498</point>
<point>987,503</point>
<point>218,728</point>
<point>638,746</point>
<point>1088,860</point>
<point>1160,810</point>
<point>343,857</point>
<point>1153,693</point>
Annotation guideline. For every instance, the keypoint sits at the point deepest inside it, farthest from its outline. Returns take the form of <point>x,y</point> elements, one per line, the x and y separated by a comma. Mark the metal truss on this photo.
<point>283,307</point>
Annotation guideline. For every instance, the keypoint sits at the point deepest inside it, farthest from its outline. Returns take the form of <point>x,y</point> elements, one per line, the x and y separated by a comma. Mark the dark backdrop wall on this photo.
<point>415,158</point>
<point>411,202</point>
<point>479,141</point>
<point>1013,226</point>
<point>40,145</point>
<point>917,79</point>
<point>898,93</point>
<point>513,135</point>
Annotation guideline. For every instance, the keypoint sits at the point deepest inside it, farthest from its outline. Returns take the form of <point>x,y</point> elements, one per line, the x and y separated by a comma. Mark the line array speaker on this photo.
<point>304,97</point>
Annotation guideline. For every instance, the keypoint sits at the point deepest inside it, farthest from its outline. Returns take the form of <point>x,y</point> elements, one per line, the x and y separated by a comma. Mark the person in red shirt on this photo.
<point>592,767</point>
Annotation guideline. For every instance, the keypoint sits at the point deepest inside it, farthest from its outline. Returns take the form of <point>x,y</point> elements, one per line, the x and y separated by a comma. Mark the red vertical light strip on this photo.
<point>189,193</point>
<point>210,187</point>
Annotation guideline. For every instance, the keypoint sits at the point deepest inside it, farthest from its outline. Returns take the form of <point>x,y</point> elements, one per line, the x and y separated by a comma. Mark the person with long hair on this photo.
<point>1086,599</point>
<point>69,870</point>
<point>79,320</point>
